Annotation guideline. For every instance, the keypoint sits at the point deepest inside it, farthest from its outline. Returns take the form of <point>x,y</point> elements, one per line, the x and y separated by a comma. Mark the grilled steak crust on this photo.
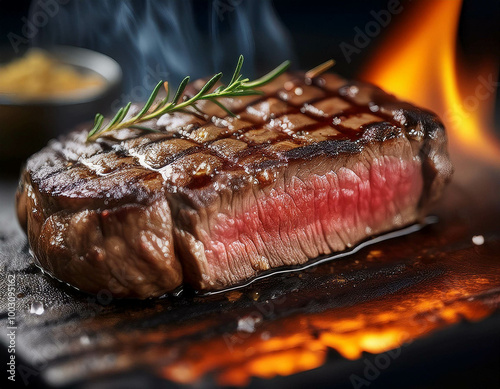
<point>310,167</point>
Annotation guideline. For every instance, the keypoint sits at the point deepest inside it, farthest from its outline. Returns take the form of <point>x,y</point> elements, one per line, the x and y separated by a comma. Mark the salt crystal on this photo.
<point>36,308</point>
<point>85,340</point>
<point>478,240</point>
<point>247,323</point>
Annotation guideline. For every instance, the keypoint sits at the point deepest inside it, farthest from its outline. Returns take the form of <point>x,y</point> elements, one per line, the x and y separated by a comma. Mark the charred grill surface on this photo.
<point>311,167</point>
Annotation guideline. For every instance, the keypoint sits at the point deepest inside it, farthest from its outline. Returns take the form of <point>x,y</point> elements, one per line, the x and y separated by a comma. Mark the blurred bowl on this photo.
<point>27,125</point>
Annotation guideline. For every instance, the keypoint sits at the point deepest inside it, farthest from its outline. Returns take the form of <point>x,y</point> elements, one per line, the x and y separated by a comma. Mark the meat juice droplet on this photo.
<point>37,308</point>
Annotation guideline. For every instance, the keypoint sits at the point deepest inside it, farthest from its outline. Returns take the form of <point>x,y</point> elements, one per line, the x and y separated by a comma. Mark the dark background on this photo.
<point>318,27</point>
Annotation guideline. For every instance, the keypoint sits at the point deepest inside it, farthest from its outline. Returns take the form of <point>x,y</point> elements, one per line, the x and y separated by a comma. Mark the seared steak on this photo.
<point>309,168</point>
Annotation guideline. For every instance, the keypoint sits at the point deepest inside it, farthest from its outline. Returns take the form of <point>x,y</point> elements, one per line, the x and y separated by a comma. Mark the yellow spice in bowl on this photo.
<point>38,75</point>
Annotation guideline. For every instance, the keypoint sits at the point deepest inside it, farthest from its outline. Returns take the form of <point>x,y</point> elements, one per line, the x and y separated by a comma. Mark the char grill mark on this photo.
<point>259,134</point>
<point>301,140</point>
<point>295,126</point>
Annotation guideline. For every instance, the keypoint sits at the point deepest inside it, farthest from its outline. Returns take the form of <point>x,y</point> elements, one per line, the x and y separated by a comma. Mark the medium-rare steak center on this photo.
<point>309,168</point>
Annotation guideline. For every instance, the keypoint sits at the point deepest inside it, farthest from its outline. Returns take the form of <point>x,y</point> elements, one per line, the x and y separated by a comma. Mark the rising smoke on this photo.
<point>154,40</point>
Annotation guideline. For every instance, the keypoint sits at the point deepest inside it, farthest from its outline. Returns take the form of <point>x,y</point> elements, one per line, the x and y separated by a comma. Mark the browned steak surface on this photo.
<point>309,168</point>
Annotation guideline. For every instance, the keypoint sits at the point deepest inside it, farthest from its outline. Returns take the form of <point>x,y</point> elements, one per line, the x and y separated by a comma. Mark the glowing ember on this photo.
<point>418,63</point>
<point>301,342</point>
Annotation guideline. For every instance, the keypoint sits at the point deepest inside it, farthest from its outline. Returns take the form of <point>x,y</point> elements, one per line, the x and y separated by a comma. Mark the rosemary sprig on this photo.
<point>238,86</point>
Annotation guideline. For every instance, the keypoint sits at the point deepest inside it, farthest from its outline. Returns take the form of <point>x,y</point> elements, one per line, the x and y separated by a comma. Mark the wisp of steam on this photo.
<point>167,40</point>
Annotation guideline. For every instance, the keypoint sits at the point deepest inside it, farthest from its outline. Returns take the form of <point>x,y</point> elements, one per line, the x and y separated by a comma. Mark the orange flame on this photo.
<point>418,62</point>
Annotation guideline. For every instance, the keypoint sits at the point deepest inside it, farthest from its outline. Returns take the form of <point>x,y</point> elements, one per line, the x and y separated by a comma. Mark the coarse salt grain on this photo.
<point>478,240</point>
